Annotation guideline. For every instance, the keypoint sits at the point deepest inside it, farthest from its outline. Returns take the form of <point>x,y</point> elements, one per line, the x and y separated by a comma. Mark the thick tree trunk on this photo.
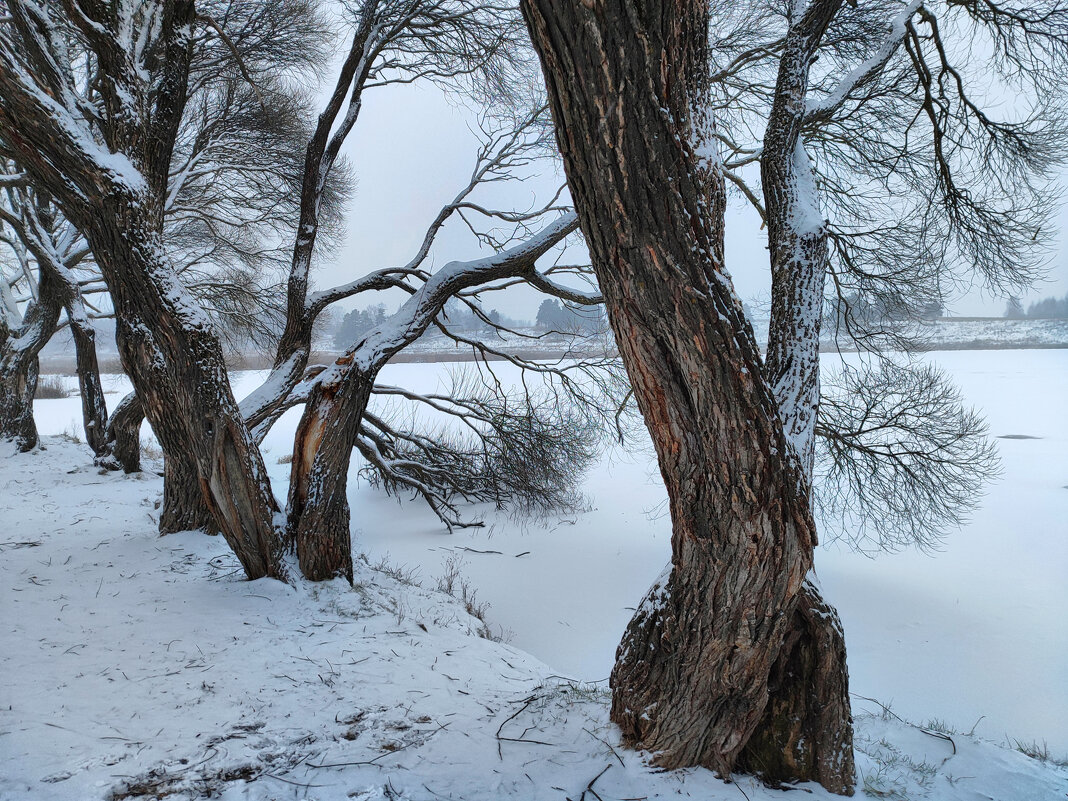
<point>166,342</point>
<point>809,690</point>
<point>123,449</point>
<point>318,522</point>
<point>94,407</point>
<point>183,501</point>
<point>176,365</point>
<point>691,681</point>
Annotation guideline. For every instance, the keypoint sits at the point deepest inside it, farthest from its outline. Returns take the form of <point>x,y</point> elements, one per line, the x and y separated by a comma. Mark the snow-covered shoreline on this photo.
<point>946,334</point>
<point>135,645</point>
<point>141,667</point>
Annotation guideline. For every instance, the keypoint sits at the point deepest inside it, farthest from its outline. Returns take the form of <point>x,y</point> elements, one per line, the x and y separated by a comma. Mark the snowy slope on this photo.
<point>135,666</point>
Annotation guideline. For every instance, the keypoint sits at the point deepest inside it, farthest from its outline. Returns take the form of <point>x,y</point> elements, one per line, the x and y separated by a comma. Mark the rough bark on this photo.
<point>115,196</point>
<point>691,681</point>
<point>797,238</point>
<point>124,436</point>
<point>808,690</point>
<point>318,512</point>
<point>318,507</point>
<point>183,501</point>
<point>809,701</point>
<point>176,365</point>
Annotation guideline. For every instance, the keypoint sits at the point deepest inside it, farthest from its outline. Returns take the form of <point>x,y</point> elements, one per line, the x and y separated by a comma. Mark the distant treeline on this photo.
<point>457,315</point>
<point>556,316</point>
<point>1050,308</point>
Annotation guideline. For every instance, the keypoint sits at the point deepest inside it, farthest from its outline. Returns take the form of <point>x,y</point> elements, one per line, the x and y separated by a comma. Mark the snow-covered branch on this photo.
<point>819,109</point>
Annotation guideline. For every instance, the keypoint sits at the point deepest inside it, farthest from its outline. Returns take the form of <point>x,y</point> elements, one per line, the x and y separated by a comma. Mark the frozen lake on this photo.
<point>976,630</point>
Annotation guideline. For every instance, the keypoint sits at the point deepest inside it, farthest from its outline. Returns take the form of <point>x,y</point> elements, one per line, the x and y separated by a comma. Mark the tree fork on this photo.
<point>692,678</point>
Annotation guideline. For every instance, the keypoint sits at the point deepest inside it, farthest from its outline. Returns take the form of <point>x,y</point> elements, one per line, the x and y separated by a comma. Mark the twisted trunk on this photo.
<point>176,365</point>
<point>115,196</point>
<point>694,672</point>
<point>808,691</point>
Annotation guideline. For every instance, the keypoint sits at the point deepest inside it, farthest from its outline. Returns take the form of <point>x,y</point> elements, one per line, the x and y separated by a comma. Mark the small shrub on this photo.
<point>51,387</point>
<point>409,576</point>
<point>151,450</point>
<point>1040,751</point>
<point>452,582</point>
<point>70,433</point>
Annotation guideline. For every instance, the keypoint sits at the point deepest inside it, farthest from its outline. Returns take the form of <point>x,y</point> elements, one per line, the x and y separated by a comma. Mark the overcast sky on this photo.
<point>412,150</point>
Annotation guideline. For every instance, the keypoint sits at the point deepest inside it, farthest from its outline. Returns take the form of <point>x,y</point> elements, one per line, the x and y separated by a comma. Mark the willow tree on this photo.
<point>45,252</point>
<point>629,90</point>
<point>98,121</point>
<point>102,149</point>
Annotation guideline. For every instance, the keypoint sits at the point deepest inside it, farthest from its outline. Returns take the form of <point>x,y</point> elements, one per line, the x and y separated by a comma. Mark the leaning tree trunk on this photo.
<point>176,365</point>
<point>94,407</point>
<point>318,512</point>
<point>19,367</point>
<point>114,193</point>
<point>694,672</point>
<point>318,509</point>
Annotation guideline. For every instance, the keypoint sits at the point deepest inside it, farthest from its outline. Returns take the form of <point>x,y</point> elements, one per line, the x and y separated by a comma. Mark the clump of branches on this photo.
<point>928,182</point>
<point>525,452</point>
<point>234,188</point>
<point>925,183</point>
<point>900,458</point>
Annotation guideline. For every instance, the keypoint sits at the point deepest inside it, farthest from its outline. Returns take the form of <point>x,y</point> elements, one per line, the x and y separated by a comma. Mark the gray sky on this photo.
<point>412,150</point>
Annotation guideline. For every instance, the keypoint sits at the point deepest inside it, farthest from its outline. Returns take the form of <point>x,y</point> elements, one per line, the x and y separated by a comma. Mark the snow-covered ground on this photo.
<point>128,658</point>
